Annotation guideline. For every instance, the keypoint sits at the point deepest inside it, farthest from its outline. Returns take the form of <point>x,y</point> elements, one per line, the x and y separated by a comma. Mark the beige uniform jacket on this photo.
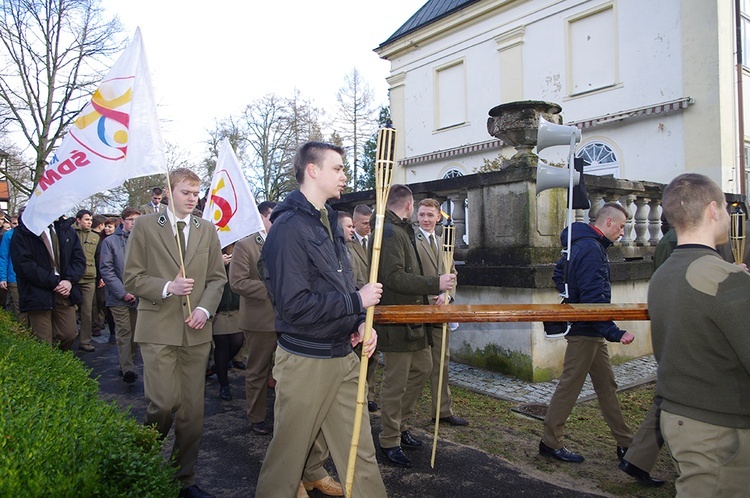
<point>152,260</point>
<point>256,309</point>
<point>360,262</point>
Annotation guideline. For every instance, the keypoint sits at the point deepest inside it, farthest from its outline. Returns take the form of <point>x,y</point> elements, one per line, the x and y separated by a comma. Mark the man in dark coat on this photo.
<point>48,268</point>
<point>406,352</point>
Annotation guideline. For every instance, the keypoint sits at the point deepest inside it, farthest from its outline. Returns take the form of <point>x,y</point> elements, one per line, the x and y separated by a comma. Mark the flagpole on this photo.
<point>449,232</point>
<point>384,161</point>
<point>170,206</point>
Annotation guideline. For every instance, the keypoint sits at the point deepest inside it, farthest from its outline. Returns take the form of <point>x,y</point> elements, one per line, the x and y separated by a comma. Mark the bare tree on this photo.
<point>274,127</point>
<point>356,117</point>
<point>54,52</point>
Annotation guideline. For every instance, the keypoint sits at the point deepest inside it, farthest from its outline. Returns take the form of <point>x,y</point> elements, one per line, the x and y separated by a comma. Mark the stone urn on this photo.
<point>516,124</point>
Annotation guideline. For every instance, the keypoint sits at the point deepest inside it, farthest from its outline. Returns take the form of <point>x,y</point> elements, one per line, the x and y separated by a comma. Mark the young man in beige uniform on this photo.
<point>175,338</point>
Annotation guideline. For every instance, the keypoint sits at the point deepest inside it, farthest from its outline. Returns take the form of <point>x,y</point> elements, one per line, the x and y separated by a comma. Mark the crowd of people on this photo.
<point>287,305</point>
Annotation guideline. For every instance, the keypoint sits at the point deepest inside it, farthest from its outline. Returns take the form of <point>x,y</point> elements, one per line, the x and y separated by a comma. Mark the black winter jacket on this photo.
<point>310,281</point>
<point>36,277</point>
<point>588,278</point>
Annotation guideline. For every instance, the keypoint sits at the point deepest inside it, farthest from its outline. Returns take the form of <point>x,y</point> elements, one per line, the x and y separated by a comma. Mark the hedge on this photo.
<point>58,439</point>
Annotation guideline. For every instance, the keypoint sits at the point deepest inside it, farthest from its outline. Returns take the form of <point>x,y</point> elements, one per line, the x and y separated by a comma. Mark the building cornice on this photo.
<point>465,150</point>
<point>458,20</point>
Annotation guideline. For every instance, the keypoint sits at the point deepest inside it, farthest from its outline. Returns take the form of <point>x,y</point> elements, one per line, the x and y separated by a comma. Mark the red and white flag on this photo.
<point>230,205</point>
<point>115,137</point>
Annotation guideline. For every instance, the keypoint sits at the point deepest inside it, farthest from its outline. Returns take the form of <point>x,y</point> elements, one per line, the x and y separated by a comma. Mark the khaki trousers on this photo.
<point>55,325</point>
<point>174,380</point>
<point>88,289</point>
<point>446,401</point>
<point>585,356</point>
<point>314,395</point>
<point>125,318</point>
<point>261,346</point>
<point>711,460</point>
<point>404,376</point>
<point>647,442</point>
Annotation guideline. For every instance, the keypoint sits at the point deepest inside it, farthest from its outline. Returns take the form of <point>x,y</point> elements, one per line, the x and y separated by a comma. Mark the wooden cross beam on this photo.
<point>511,313</point>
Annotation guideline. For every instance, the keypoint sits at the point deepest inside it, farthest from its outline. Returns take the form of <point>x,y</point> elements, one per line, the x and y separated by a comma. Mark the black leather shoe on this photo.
<point>410,441</point>
<point>262,428</point>
<point>372,406</point>
<point>194,492</point>
<point>238,365</point>
<point>563,454</point>
<point>225,393</point>
<point>396,456</point>
<point>453,420</point>
<point>129,377</point>
<point>642,476</point>
<point>621,450</point>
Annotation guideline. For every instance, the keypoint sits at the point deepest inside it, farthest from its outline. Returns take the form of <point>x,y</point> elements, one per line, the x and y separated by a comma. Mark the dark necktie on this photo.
<point>364,244</point>
<point>181,236</point>
<point>434,248</point>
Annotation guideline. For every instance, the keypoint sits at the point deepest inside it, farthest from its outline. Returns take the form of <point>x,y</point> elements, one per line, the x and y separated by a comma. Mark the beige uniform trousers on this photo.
<point>712,460</point>
<point>585,356</point>
<point>174,380</point>
<point>314,395</point>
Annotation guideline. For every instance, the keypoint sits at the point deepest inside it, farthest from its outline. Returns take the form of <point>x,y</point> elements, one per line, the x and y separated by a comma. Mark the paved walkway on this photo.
<point>629,374</point>
<point>231,455</point>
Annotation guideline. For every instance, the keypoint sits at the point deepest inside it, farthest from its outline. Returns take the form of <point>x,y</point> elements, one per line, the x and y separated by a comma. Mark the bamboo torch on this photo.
<point>179,246</point>
<point>384,162</point>
<point>449,235</point>
<point>737,232</point>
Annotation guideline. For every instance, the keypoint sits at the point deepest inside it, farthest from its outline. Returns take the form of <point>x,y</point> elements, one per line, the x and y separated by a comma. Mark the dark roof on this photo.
<point>430,12</point>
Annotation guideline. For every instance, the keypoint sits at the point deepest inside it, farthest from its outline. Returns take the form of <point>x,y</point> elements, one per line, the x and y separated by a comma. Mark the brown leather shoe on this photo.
<point>301,492</point>
<point>327,486</point>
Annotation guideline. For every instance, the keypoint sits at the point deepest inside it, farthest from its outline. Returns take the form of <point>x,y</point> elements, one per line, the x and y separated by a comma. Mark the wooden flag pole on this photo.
<point>449,234</point>
<point>170,206</point>
<point>384,162</point>
<point>737,233</point>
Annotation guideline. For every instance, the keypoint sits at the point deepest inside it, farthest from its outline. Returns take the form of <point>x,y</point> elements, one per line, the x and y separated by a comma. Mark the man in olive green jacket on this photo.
<point>89,242</point>
<point>405,347</point>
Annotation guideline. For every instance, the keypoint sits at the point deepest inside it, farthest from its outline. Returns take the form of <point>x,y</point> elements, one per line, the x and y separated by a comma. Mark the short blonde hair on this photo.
<point>183,174</point>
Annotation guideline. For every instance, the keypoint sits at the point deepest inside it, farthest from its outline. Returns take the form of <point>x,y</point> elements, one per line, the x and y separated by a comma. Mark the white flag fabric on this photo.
<point>115,137</point>
<point>231,204</point>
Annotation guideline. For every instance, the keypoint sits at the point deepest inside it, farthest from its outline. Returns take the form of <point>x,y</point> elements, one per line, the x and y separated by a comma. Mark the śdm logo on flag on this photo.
<point>115,137</point>
<point>231,205</point>
<point>223,201</point>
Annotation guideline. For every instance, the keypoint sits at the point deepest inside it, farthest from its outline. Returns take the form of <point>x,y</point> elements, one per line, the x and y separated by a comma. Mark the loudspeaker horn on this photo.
<point>550,134</point>
<point>552,177</point>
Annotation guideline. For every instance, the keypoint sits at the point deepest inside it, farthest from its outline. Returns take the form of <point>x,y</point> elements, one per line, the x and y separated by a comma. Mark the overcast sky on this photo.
<point>209,62</point>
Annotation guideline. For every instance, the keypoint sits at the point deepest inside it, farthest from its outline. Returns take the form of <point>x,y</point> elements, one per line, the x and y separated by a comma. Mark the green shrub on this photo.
<point>58,439</point>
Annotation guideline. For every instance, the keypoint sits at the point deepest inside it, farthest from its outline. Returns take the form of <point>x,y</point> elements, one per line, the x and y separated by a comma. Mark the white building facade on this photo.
<point>652,84</point>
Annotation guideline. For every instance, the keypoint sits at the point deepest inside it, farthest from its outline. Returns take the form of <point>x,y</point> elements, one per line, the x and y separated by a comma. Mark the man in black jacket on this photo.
<point>319,318</point>
<point>48,268</point>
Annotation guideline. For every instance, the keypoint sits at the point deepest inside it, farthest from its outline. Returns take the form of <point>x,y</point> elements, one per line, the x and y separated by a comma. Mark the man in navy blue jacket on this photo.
<point>586,353</point>
<point>319,317</point>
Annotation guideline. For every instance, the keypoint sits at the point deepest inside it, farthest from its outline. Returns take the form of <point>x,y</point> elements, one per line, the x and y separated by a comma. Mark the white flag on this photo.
<point>231,205</point>
<point>115,137</point>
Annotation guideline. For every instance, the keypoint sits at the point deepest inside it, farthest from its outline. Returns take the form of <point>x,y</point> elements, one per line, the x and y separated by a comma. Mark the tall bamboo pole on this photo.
<point>449,235</point>
<point>384,162</point>
<point>737,232</point>
<point>170,206</point>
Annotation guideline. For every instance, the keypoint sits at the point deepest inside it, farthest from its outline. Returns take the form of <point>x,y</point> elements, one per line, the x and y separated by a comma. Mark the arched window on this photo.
<point>453,173</point>
<point>601,158</point>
